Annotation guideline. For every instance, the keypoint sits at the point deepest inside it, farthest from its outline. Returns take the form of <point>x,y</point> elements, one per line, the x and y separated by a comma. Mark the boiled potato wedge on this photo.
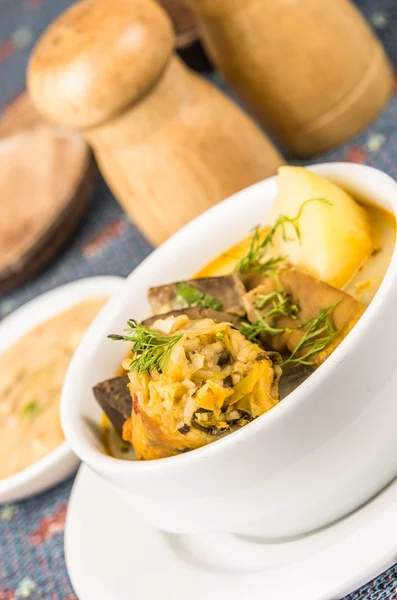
<point>335,236</point>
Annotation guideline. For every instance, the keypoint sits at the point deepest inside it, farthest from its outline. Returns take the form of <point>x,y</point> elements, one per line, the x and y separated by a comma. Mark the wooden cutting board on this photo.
<point>47,176</point>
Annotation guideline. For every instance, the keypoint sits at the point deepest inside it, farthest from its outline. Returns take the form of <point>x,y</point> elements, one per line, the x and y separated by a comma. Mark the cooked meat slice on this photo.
<point>307,296</point>
<point>228,291</point>
<point>293,376</point>
<point>197,313</point>
<point>113,396</point>
<point>252,280</point>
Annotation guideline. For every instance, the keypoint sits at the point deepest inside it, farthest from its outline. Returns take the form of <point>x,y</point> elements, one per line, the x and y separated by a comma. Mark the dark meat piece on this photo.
<point>310,296</point>
<point>292,377</point>
<point>253,280</point>
<point>228,289</point>
<point>197,313</point>
<point>113,396</point>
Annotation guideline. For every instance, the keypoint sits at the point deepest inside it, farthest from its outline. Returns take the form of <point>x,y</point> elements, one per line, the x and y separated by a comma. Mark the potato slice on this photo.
<point>335,239</point>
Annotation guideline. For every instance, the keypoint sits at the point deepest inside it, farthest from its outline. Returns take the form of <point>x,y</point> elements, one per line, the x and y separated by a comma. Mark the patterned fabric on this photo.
<point>31,541</point>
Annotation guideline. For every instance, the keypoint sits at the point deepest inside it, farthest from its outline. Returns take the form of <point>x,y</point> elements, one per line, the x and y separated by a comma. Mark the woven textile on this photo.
<point>31,533</point>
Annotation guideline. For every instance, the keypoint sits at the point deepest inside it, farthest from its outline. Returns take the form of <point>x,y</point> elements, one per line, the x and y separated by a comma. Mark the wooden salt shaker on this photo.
<point>169,144</point>
<point>311,70</point>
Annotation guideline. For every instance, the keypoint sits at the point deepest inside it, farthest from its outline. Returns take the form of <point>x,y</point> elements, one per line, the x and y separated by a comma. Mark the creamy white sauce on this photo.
<point>32,371</point>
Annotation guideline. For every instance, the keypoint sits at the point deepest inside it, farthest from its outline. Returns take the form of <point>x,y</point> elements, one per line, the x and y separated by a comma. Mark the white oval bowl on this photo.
<point>61,462</point>
<point>323,451</point>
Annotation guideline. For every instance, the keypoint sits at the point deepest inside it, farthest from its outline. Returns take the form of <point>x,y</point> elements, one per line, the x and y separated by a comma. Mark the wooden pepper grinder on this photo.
<point>169,144</point>
<point>311,70</point>
<point>188,43</point>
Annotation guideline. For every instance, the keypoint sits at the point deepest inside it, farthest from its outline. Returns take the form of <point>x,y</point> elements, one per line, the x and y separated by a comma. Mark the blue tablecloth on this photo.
<point>31,532</point>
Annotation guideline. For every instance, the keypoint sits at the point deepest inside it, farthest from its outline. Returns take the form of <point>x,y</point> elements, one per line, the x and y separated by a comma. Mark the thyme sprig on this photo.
<point>190,295</point>
<point>253,260</point>
<point>151,349</point>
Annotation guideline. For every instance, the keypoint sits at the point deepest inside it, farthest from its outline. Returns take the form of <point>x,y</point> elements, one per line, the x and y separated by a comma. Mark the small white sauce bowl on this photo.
<point>330,446</point>
<point>61,462</point>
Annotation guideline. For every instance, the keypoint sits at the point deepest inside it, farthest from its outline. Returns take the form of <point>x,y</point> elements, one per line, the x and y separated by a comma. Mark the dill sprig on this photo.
<point>151,349</point>
<point>281,304</point>
<point>253,260</point>
<point>318,335</point>
<point>190,295</point>
<point>252,331</point>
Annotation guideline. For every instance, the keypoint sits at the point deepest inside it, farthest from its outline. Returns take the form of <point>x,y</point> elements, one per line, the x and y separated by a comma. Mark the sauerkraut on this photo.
<point>215,382</point>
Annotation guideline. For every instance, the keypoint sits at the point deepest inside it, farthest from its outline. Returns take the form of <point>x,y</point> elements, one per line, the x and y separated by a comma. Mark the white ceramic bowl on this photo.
<point>319,454</point>
<point>61,462</point>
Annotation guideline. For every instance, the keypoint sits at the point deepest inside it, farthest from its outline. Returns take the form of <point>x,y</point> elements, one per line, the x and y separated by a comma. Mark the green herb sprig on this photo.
<point>31,410</point>
<point>253,260</point>
<point>190,295</point>
<point>280,306</point>
<point>318,335</point>
<point>280,302</point>
<point>151,349</point>
<point>252,331</point>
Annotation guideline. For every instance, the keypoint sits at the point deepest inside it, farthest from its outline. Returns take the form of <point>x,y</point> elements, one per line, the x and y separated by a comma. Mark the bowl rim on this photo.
<point>55,301</point>
<point>104,463</point>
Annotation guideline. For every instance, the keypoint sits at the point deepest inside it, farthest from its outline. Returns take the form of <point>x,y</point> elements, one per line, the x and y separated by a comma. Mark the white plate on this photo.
<point>61,462</point>
<point>111,553</point>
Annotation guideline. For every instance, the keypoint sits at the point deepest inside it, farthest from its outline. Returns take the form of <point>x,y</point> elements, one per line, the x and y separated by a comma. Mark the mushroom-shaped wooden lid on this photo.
<point>97,58</point>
